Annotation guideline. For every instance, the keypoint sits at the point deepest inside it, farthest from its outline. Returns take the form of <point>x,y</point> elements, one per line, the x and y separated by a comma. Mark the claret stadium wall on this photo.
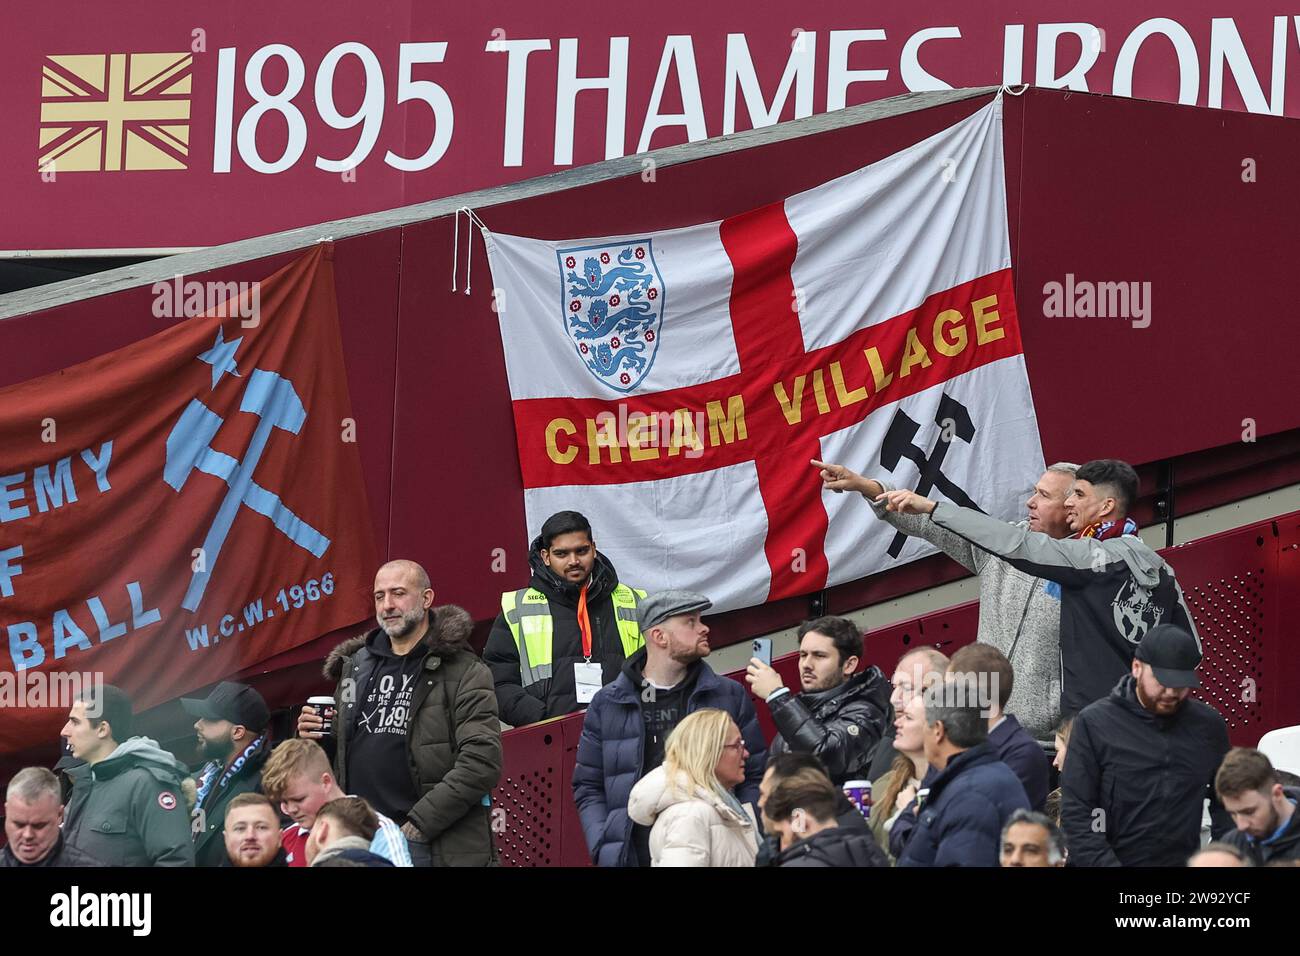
<point>1199,203</point>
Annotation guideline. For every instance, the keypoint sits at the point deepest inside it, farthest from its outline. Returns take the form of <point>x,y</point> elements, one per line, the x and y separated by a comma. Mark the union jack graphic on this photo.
<point>115,111</point>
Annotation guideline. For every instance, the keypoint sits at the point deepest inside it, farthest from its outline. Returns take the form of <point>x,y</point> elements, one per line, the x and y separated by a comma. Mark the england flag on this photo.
<point>673,386</point>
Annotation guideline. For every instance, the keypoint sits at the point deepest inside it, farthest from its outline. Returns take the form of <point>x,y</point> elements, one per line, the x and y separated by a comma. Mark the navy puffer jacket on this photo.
<point>611,751</point>
<point>961,822</point>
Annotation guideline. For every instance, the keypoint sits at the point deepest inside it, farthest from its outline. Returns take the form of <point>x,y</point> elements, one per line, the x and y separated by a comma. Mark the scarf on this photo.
<point>208,775</point>
<point>1104,530</point>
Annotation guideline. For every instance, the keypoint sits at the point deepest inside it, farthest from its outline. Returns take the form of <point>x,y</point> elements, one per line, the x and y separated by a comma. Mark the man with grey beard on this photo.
<point>417,728</point>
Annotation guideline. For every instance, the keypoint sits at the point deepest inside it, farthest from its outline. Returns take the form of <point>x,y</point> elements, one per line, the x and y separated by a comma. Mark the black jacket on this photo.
<point>61,855</point>
<point>558,695</point>
<point>961,821</point>
<point>1285,847</point>
<point>1023,754</point>
<point>834,847</point>
<point>1132,790</point>
<point>1112,592</point>
<point>209,841</point>
<point>849,818</point>
<point>842,726</point>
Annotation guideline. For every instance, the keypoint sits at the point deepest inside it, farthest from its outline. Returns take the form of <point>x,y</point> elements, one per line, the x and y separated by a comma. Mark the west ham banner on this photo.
<point>673,386</point>
<point>184,507</point>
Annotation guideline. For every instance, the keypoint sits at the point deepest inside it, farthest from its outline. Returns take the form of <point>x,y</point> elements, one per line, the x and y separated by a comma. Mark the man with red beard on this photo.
<point>1143,760</point>
<point>252,832</point>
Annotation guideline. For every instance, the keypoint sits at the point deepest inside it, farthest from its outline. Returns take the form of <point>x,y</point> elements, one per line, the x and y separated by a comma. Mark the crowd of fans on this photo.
<point>1082,670</point>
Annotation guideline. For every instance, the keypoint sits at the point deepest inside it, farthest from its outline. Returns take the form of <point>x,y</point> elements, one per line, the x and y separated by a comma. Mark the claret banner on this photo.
<point>186,506</point>
<point>156,125</point>
<point>673,386</point>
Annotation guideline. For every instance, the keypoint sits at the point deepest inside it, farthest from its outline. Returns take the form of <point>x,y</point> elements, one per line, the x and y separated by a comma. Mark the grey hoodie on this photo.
<point>1112,592</point>
<point>1020,615</point>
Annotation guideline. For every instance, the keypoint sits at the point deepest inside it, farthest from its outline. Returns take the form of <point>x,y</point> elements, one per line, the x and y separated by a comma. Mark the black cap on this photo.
<point>1173,655</point>
<point>237,703</point>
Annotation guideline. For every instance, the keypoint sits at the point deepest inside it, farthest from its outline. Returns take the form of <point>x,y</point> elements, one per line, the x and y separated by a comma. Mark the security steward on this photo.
<point>566,635</point>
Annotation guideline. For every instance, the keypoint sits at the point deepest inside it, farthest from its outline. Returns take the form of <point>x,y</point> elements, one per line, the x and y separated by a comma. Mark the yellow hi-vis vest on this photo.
<point>528,615</point>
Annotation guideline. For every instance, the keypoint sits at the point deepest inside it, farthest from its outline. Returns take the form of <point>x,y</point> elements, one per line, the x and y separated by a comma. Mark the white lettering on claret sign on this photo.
<point>77,909</point>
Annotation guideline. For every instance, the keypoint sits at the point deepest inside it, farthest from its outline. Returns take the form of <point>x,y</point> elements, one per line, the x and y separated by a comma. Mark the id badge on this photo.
<point>587,678</point>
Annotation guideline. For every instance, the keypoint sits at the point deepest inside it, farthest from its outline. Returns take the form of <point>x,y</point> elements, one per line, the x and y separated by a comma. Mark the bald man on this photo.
<point>416,721</point>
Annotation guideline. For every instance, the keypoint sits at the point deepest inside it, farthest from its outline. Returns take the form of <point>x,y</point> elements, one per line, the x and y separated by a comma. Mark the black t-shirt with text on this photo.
<point>378,764</point>
<point>661,711</point>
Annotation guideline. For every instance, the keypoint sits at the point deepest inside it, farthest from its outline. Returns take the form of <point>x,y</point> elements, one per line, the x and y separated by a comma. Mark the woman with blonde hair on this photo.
<point>893,791</point>
<point>688,803</point>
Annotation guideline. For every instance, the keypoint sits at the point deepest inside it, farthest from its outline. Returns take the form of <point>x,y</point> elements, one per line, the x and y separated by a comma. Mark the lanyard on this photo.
<point>584,623</point>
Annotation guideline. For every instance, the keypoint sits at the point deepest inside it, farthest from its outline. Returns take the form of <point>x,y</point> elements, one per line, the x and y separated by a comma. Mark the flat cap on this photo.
<point>657,608</point>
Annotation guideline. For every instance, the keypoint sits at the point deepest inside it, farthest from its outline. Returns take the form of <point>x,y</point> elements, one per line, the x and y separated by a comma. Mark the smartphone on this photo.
<point>763,650</point>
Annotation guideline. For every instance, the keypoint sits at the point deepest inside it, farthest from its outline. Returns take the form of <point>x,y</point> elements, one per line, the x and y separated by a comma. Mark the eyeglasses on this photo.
<point>738,745</point>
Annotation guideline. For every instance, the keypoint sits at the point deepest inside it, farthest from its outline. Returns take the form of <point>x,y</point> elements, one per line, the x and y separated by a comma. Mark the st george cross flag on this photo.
<point>673,386</point>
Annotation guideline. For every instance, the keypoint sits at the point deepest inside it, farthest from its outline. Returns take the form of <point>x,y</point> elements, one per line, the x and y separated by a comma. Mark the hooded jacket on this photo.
<point>691,827</point>
<point>962,819</point>
<point>453,736</point>
<point>841,726</point>
<point>353,849</point>
<point>1143,777</point>
<point>556,695</point>
<point>1286,846</point>
<point>209,842</point>
<point>129,809</point>
<point>1112,592</point>
<point>1020,615</point>
<point>835,846</point>
<point>849,818</point>
<point>611,752</point>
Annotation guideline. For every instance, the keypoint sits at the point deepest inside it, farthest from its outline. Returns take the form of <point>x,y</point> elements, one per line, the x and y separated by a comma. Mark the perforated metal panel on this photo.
<point>526,814</point>
<point>1229,615</point>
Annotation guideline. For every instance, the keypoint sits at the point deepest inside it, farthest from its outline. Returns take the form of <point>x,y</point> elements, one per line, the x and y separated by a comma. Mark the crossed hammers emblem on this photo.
<point>953,419</point>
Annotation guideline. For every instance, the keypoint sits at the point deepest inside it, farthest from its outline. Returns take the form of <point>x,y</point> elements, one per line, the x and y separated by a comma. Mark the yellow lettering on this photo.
<point>842,394</point>
<point>985,311</point>
<point>683,433</point>
<point>819,392</point>
<point>602,432</point>
<point>878,373</point>
<point>914,353</point>
<point>553,427</point>
<point>636,425</point>
<point>942,345</point>
<point>791,408</point>
<point>730,425</point>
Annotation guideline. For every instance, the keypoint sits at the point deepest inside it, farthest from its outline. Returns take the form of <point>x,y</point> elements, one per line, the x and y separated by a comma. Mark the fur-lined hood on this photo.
<point>449,634</point>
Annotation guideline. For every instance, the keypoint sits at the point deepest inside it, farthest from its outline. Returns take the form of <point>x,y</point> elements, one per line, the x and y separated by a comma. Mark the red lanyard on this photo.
<point>584,623</point>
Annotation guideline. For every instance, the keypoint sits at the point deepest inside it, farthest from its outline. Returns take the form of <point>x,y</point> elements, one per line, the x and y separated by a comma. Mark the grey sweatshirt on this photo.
<point>1020,615</point>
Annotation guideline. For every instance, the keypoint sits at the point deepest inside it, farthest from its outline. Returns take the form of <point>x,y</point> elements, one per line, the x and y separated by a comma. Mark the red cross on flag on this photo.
<point>674,385</point>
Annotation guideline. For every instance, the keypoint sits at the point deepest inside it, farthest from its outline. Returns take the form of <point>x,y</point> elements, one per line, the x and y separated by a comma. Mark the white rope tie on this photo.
<point>469,247</point>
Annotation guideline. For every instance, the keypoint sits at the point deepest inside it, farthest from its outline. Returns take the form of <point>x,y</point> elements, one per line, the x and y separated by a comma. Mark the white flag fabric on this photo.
<point>673,386</point>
